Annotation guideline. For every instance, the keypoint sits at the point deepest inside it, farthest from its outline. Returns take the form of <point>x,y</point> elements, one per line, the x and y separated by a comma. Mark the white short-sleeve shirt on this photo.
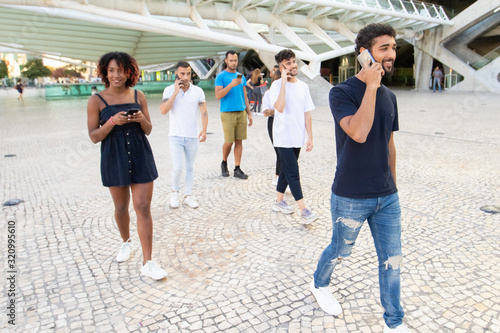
<point>266,102</point>
<point>289,126</point>
<point>185,113</point>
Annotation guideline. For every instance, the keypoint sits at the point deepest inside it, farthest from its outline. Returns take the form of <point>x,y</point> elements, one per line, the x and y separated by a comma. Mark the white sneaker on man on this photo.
<point>126,250</point>
<point>151,270</point>
<point>174,199</point>
<point>325,299</point>
<point>400,329</point>
<point>190,201</point>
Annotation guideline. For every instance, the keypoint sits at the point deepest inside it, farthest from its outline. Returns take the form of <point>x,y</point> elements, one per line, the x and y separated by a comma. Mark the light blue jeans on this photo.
<point>438,81</point>
<point>183,149</point>
<point>384,219</point>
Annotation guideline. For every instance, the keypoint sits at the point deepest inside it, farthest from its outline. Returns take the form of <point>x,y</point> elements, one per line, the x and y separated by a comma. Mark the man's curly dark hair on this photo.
<point>125,61</point>
<point>284,55</point>
<point>367,35</point>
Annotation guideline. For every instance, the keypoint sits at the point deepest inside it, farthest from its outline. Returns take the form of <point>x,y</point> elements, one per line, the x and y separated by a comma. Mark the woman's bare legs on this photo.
<point>121,199</point>
<point>142,195</point>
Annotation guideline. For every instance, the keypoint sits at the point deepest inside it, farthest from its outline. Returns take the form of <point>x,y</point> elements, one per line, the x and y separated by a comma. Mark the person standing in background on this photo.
<point>269,112</point>
<point>19,88</point>
<point>254,84</point>
<point>230,88</point>
<point>437,74</point>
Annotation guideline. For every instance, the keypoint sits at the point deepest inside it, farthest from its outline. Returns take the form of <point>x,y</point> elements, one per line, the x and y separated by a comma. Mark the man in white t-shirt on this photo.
<point>293,103</point>
<point>182,100</point>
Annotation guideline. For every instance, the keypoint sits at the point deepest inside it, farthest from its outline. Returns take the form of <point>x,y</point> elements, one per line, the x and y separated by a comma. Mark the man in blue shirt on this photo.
<point>230,88</point>
<point>364,189</point>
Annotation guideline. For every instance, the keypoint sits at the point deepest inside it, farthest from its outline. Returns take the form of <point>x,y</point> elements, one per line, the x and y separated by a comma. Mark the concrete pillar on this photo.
<point>423,69</point>
<point>319,89</point>
<point>267,58</point>
<point>426,50</point>
<point>197,69</point>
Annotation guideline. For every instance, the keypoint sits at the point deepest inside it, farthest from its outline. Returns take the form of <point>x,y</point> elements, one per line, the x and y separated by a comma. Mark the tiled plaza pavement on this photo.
<point>233,264</point>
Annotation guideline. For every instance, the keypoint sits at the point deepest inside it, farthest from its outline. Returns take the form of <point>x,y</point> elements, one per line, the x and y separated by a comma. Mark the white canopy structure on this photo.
<point>164,31</point>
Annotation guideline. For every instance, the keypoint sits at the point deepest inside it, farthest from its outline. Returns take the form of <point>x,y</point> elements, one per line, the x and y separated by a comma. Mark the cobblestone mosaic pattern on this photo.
<point>233,264</point>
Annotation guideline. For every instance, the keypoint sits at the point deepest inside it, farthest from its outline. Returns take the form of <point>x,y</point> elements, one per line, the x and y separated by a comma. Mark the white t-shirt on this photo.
<point>266,102</point>
<point>185,112</point>
<point>289,126</point>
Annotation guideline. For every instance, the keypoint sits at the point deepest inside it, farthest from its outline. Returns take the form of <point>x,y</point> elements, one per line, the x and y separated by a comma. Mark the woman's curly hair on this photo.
<point>367,35</point>
<point>123,60</point>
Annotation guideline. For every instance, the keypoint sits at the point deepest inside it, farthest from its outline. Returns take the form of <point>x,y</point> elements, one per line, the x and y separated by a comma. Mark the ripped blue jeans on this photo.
<point>384,219</point>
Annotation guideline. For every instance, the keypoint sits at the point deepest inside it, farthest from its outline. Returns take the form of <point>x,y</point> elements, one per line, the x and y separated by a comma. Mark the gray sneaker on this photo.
<point>308,216</point>
<point>282,206</point>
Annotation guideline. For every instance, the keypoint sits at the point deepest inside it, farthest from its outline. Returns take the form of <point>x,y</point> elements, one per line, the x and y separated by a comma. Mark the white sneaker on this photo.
<point>190,201</point>
<point>174,199</point>
<point>151,270</point>
<point>125,251</point>
<point>400,329</point>
<point>325,299</point>
<point>275,180</point>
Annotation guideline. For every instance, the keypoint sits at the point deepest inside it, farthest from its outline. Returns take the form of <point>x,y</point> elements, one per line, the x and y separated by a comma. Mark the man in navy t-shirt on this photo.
<point>364,188</point>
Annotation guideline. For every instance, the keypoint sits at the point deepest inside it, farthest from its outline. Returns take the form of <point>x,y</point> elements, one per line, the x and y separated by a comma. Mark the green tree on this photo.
<point>35,68</point>
<point>74,71</point>
<point>58,72</point>
<point>4,71</point>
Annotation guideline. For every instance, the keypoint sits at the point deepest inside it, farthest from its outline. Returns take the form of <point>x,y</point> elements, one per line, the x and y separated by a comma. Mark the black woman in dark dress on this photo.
<point>118,117</point>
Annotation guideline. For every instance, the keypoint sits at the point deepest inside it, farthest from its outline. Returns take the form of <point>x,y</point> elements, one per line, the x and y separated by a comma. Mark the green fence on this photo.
<point>79,90</point>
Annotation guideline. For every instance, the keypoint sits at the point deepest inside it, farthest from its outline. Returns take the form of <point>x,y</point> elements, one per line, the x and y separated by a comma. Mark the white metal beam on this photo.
<point>138,22</point>
<point>344,31</point>
<point>222,11</point>
<point>197,19</point>
<point>351,15</point>
<point>350,6</point>
<point>243,4</point>
<point>212,70</point>
<point>336,53</point>
<point>292,36</point>
<point>321,34</point>
<point>247,27</point>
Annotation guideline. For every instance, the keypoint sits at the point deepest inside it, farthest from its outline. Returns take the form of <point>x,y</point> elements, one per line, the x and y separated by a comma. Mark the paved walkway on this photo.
<point>233,264</point>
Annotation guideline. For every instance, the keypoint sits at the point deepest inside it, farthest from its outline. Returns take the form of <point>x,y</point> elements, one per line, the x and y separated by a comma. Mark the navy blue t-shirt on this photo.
<point>363,168</point>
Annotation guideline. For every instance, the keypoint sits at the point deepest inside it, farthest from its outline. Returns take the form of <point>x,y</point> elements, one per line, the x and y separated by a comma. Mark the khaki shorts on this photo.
<point>234,125</point>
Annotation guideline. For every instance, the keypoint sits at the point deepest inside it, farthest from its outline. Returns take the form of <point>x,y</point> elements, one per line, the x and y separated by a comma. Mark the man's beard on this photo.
<point>388,73</point>
<point>291,72</point>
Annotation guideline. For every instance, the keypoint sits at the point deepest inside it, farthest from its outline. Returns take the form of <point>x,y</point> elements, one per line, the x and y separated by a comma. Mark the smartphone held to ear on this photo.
<point>366,57</point>
<point>178,78</point>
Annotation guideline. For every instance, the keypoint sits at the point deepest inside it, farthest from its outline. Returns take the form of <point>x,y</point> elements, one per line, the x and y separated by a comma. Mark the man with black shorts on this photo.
<point>230,88</point>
